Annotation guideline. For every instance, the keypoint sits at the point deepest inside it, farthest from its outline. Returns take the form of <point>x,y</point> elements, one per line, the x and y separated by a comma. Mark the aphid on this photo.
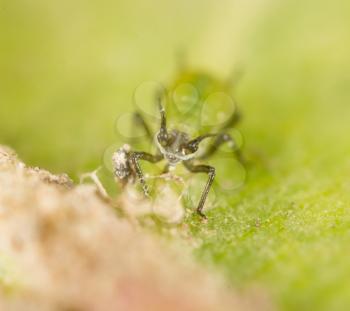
<point>190,98</point>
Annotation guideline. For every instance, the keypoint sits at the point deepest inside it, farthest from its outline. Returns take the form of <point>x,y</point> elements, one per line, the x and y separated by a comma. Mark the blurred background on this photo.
<point>68,69</point>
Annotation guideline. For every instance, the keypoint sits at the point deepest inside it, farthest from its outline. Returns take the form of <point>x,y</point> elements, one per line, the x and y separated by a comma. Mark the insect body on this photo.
<point>173,146</point>
<point>176,146</point>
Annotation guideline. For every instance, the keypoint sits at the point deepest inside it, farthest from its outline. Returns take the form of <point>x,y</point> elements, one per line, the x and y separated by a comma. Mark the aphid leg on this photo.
<point>211,175</point>
<point>235,77</point>
<point>233,120</point>
<point>135,157</point>
<point>221,139</point>
<point>181,60</point>
<point>194,143</point>
<point>163,133</point>
<point>140,121</point>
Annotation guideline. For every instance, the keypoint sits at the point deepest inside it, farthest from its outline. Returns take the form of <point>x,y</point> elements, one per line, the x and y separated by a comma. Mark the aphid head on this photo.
<point>176,145</point>
<point>120,159</point>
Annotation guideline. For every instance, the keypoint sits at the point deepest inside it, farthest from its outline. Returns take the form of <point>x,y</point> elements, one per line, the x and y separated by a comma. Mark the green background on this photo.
<point>68,69</point>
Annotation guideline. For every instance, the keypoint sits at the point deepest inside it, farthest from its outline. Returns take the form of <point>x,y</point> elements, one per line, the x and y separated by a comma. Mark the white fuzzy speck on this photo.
<point>119,157</point>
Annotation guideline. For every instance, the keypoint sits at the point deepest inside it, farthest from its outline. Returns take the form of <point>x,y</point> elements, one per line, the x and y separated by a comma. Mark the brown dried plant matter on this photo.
<point>63,248</point>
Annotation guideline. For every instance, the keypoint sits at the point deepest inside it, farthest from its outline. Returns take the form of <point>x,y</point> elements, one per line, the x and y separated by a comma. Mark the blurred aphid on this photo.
<point>175,147</point>
<point>196,110</point>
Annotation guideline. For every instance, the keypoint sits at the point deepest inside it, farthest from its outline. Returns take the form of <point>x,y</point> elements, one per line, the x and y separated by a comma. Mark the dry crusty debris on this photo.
<point>63,248</point>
